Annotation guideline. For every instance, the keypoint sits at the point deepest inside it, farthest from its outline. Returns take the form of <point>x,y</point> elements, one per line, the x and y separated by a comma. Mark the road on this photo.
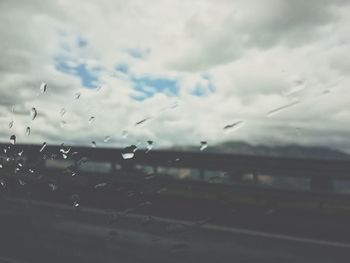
<point>35,231</point>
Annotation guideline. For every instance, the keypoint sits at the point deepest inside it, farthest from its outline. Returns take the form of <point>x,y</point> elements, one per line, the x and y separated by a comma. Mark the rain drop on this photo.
<point>125,134</point>
<point>129,152</point>
<point>20,153</point>
<point>203,146</point>
<point>62,150</point>
<point>43,147</point>
<point>33,113</point>
<point>100,185</point>
<point>1,163</point>
<point>282,108</point>
<point>77,95</point>
<point>107,139</point>
<point>234,126</point>
<point>10,124</point>
<point>76,199</point>
<point>63,111</point>
<point>296,86</point>
<point>149,145</point>
<point>3,183</point>
<point>13,139</point>
<point>143,121</point>
<point>21,182</point>
<point>43,87</point>
<point>28,131</point>
<point>63,123</point>
<point>91,120</point>
<point>53,186</point>
<point>93,144</point>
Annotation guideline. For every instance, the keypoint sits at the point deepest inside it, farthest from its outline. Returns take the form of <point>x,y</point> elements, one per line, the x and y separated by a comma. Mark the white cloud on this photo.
<point>253,51</point>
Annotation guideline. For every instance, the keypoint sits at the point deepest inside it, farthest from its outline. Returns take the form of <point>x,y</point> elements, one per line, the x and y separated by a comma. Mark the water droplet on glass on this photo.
<point>107,139</point>
<point>100,185</point>
<point>282,108</point>
<point>63,123</point>
<point>91,120</point>
<point>76,200</point>
<point>33,113</point>
<point>21,182</point>
<point>234,126</point>
<point>43,87</point>
<point>143,121</point>
<point>53,186</point>
<point>77,95</point>
<point>149,145</point>
<point>20,153</point>
<point>63,112</point>
<point>31,171</point>
<point>296,86</point>
<point>62,150</point>
<point>1,163</point>
<point>129,152</point>
<point>43,147</point>
<point>203,146</point>
<point>93,144</point>
<point>124,134</point>
<point>13,139</point>
<point>3,183</point>
<point>10,124</point>
<point>28,131</point>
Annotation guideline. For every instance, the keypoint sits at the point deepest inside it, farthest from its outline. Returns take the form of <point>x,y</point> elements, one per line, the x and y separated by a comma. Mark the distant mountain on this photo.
<point>293,150</point>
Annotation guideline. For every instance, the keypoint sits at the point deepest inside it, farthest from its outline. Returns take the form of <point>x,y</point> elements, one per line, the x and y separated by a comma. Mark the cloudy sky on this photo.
<point>176,72</point>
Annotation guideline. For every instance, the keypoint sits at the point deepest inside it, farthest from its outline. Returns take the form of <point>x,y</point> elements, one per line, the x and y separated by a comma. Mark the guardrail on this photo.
<point>321,173</point>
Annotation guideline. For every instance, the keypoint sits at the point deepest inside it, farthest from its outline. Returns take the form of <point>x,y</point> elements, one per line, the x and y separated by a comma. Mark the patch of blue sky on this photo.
<point>149,86</point>
<point>202,89</point>
<point>89,77</point>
